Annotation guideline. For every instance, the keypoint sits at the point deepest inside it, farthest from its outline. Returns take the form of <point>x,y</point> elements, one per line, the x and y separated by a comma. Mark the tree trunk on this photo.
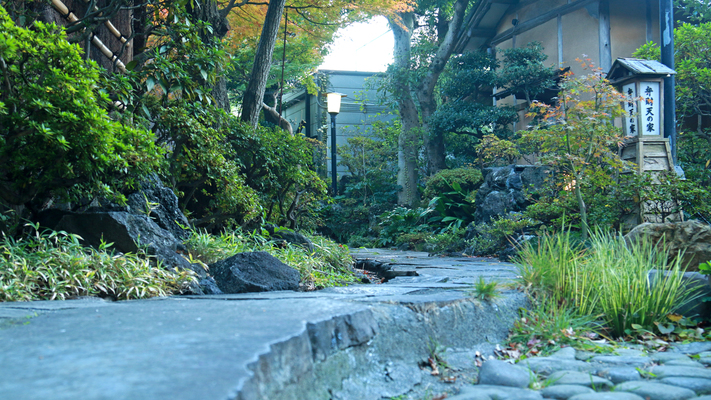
<point>434,141</point>
<point>410,131</point>
<point>254,94</point>
<point>207,11</point>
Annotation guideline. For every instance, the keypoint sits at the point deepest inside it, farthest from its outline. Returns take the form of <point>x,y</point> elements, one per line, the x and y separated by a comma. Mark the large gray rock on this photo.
<point>254,272</point>
<point>161,205</point>
<point>693,238</point>
<point>698,385</point>
<point>564,392</point>
<point>504,189</point>
<point>127,233</point>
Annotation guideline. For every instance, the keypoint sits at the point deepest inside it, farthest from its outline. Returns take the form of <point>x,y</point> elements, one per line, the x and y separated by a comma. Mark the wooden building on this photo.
<point>602,30</point>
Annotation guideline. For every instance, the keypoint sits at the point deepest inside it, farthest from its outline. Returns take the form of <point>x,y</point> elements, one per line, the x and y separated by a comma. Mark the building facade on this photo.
<point>359,109</point>
<point>601,30</point>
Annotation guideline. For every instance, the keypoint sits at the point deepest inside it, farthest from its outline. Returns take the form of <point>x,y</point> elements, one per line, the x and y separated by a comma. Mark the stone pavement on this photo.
<point>356,342</point>
<point>625,374</point>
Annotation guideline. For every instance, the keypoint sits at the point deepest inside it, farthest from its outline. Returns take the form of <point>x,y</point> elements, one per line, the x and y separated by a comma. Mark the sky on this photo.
<point>365,46</point>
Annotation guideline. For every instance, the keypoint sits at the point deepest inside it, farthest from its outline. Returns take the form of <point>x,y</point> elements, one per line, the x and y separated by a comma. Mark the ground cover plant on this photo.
<point>602,288</point>
<point>329,265</point>
<point>55,266</point>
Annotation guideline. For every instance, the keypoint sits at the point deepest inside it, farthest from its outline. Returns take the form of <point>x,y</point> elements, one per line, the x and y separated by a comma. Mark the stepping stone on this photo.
<point>547,365</point>
<point>564,353</point>
<point>585,355</point>
<point>501,373</point>
<point>666,356</point>
<point>618,375</point>
<point>563,392</point>
<point>692,348</point>
<point>607,396</point>
<point>698,385</point>
<point>633,361</point>
<point>578,378</point>
<point>655,391</point>
<point>489,392</point>
<point>684,362</point>
<point>630,353</point>
<point>663,371</point>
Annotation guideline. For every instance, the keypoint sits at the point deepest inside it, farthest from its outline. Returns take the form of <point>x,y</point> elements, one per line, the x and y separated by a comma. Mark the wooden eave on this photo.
<point>488,15</point>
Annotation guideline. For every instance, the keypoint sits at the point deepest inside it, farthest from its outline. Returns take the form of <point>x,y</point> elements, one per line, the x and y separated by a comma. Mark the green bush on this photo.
<point>468,179</point>
<point>493,237</point>
<point>397,222</point>
<point>56,138</point>
<point>55,266</point>
<point>202,169</point>
<point>280,168</point>
<point>449,241</point>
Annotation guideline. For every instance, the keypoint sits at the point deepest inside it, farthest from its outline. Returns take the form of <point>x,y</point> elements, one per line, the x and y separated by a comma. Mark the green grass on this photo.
<point>484,290</point>
<point>329,265</point>
<point>55,266</point>
<point>608,278</point>
<point>548,326</point>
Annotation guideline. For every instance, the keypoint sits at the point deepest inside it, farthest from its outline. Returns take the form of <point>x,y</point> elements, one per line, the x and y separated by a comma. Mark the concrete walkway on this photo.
<point>356,342</point>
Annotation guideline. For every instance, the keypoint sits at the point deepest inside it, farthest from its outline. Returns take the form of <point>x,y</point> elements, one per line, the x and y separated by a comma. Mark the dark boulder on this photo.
<point>504,190</point>
<point>161,205</point>
<point>254,272</point>
<point>290,236</point>
<point>126,232</point>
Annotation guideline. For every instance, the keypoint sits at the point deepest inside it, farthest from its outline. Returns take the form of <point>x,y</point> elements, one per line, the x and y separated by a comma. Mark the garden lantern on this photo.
<point>642,83</point>
<point>333,100</point>
<point>646,143</point>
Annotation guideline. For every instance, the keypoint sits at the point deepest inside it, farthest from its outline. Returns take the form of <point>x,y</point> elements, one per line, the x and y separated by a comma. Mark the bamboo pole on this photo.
<point>112,28</point>
<point>94,40</point>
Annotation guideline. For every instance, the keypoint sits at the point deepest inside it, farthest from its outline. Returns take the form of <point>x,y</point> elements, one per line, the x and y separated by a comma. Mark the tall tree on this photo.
<point>254,95</point>
<point>417,80</point>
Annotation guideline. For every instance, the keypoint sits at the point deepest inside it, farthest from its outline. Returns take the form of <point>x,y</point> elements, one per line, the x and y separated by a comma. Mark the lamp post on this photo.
<point>334,107</point>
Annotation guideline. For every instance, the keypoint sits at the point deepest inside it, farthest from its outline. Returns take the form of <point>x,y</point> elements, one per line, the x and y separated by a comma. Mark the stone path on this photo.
<point>364,342</point>
<point>356,342</point>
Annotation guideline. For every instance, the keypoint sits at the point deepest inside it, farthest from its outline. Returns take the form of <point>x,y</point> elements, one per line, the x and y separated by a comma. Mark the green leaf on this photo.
<point>150,83</point>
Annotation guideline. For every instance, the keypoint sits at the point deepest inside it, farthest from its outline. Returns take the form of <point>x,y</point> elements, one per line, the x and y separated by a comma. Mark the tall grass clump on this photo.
<point>629,294</point>
<point>329,265</point>
<point>608,278</point>
<point>55,266</point>
<point>555,267</point>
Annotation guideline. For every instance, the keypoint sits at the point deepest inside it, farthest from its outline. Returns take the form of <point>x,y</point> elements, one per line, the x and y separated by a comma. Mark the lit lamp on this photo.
<point>334,107</point>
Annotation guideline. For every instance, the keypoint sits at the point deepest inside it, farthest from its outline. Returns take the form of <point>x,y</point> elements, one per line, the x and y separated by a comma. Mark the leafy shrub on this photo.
<point>397,222</point>
<point>372,163</point>
<point>202,169</point>
<point>55,266</point>
<point>279,167</point>
<point>451,210</point>
<point>449,241</point>
<point>330,265</point>
<point>468,179</point>
<point>493,237</point>
<point>56,138</point>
